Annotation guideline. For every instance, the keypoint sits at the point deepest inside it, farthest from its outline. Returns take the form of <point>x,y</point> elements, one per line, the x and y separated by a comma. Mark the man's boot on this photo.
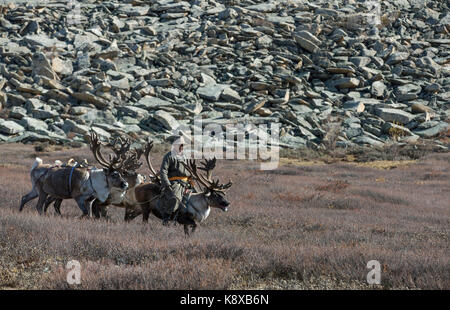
<point>170,207</point>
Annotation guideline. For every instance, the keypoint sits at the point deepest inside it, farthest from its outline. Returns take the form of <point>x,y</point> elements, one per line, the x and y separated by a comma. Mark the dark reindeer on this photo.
<point>130,157</point>
<point>82,184</point>
<point>198,205</point>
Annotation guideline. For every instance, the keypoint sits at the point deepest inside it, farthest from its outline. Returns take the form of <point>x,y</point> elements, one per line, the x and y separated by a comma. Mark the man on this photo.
<point>174,179</point>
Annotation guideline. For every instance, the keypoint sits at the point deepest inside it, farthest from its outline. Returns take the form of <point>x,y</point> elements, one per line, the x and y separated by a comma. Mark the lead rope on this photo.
<point>141,203</point>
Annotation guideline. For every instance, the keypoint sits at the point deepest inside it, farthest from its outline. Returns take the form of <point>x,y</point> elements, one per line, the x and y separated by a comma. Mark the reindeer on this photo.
<point>144,198</point>
<point>32,195</point>
<point>82,184</point>
<point>121,148</point>
<point>70,163</point>
<point>137,194</point>
<point>143,193</point>
<point>197,205</point>
<point>128,170</point>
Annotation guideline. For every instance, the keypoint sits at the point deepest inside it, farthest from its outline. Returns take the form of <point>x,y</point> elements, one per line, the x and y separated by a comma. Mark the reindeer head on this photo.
<point>214,192</point>
<point>115,179</point>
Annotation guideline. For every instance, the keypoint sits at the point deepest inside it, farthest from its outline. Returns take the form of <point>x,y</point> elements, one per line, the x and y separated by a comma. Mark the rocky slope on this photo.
<point>341,72</point>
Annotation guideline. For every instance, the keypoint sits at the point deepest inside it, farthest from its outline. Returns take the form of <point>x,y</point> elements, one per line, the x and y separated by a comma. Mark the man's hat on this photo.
<point>180,139</point>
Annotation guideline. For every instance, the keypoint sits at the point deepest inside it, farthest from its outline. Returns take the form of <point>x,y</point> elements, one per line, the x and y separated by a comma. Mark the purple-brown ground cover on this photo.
<point>313,226</point>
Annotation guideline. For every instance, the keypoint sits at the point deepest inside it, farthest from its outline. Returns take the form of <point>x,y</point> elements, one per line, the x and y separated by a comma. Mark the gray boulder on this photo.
<point>167,120</point>
<point>10,127</point>
<point>33,124</point>
<point>394,115</point>
<point>433,131</point>
<point>211,92</point>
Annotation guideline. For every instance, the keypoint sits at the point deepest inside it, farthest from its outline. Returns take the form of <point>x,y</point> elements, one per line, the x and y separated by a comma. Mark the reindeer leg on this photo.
<point>194,226</point>
<point>96,209</point>
<point>126,217</point>
<point>42,197</point>
<point>41,201</point>
<point>88,203</point>
<point>81,201</point>
<point>57,206</point>
<point>104,212</point>
<point>128,214</point>
<point>48,201</point>
<point>186,223</point>
<point>186,229</point>
<point>145,213</point>
<point>131,213</point>
<point>30,196</point>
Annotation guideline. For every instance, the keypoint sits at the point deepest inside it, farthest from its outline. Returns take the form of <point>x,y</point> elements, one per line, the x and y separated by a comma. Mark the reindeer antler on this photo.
<point>120,147</point>
<point>154,176</point>
<point>132,162</point>
<point>116,161</point>
<point>95,145</point>
<point>208,165</point>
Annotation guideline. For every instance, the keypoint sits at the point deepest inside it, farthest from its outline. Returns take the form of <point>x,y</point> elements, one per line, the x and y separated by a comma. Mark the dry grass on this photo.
<point>386,164</point>
<point>388,152</point>
<point>312,226</point>
<point>334,186</point>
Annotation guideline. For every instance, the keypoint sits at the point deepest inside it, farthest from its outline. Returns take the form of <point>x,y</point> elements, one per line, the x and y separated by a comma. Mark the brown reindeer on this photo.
<point>197,205</point>
<point>70,163</point>
<point>128,170</point>
<point>82,184</point>
<point>143,192</point>
<point>121,148</point>
<point>137,193</point>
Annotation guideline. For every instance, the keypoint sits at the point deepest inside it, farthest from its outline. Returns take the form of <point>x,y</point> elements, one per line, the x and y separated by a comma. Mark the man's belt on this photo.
<point>184,179</point>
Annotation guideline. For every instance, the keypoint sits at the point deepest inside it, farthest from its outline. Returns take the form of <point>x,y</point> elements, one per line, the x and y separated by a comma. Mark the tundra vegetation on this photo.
<point>309,224</point>
<point>360,90</point>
